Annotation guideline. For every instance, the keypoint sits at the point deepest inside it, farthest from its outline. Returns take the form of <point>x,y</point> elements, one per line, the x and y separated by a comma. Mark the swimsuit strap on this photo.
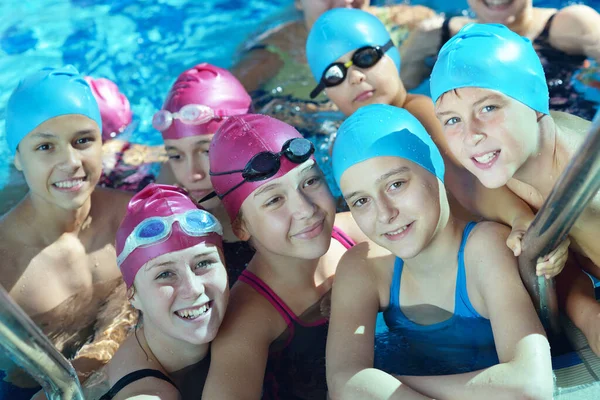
<point>132,377</point>
<point>261,287</point>
<point>445,31</point>
<point>546,32</point>
<point>342,237</point>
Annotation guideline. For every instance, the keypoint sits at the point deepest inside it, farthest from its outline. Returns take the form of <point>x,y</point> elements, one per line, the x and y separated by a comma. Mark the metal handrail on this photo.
<point>574,190</point>
<point>29,348</point>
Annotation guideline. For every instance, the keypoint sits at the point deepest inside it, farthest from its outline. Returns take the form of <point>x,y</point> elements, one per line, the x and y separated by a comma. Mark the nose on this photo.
<point>192,285</point>
<point>302,205</point>
<point>474,134</point>
<point>386,211</point>
<point>70,160</point>
<point>355,75</point>
<point>196,169</point>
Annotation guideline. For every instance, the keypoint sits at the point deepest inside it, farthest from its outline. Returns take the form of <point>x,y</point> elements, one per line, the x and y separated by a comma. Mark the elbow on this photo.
<point>336,383</point>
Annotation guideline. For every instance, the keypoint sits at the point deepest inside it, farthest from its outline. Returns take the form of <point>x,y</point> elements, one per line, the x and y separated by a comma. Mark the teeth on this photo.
<point>486,158</point>
<point>193,313</point>
<point>69,184</point>
<point>398,231</point>
<point>497,3</point>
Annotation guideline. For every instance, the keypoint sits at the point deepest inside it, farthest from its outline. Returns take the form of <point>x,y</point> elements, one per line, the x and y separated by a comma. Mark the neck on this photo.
<point>293,270</point>
<point>400,99</point>
<point>548,156</point>
<point>50,222</point>
<point>172,354</point>
<point>444,246</point>
<point>522,22</point>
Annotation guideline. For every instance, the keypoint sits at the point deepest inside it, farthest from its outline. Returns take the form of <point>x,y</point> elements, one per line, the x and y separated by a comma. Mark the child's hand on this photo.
<point>551,264</point>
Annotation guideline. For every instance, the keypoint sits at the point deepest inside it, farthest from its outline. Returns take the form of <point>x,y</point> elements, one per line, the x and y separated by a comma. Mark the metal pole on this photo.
<point>574,190</point>
<point>28,347</point>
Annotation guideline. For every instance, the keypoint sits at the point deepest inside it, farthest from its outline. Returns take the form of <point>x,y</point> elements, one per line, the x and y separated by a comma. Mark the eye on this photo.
<point>174,157</point>
<point>273,201</point>
<point>360,202</point>
<point>84,140</point>
<point>164,275</point>
<point>396,185</point>
<point>452,121</point>
<point>315,180</point>
<point>488,109</point>
<point>43,147</point>
<point>205,263</point>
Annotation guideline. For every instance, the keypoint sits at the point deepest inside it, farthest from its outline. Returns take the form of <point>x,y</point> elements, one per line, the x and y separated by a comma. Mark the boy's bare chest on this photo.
<point>61,271</point>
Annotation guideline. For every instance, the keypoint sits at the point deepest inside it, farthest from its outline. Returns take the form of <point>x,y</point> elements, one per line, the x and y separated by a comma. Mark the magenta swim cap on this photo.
<point>210,86</point>
<point>161,219</point>
<point>235,143</point>
<point>114,106</point>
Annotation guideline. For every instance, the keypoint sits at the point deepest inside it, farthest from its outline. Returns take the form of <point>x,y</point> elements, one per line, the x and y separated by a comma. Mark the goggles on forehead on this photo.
<point>191,114</point>
<point>155,229</point>
<point>266,164</point>
<point>335,73</point>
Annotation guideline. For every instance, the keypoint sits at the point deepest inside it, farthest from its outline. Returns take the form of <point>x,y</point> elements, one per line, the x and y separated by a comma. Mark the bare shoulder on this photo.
<point>366,261</point>
<point>130,358</point>
<point>570,16</point>
<point>486,249</point>
<point>249,316</point>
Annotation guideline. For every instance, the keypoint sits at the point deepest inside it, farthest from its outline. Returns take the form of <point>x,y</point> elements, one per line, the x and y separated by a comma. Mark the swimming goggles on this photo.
<point>191,114</point>
<point>335,73</point>
<point>156,229</point>
<point>266,164</point>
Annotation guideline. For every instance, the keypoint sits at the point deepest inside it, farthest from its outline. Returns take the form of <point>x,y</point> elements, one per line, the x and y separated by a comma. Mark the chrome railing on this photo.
<point>29,348</point>
<point>573,191</point>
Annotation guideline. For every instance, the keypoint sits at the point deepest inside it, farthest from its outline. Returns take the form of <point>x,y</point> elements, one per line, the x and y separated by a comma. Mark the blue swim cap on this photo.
<point>341,30</point>
<point>491,56</point>
<point>46,94</point>
<point>380,130</point>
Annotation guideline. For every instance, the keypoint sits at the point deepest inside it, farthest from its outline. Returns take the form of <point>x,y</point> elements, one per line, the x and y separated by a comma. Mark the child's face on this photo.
<point>292,215</point>
<point>395,202</point>
<point>379,84</point>
<point>314,8</point>
<point>491,134</point>
<point>188,158</point>
<point>61,160</point>
<point>184,293</point>
<point>498,11</point>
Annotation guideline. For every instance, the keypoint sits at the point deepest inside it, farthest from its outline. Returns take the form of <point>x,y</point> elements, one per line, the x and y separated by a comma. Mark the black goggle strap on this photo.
<point>387,46</point>
<point>315,92</point>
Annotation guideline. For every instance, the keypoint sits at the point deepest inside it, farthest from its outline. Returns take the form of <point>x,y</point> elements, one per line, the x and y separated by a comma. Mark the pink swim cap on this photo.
<point>149,212</point>
<point>235,143</point>
<point>114,106</point>
<point>210,86</point>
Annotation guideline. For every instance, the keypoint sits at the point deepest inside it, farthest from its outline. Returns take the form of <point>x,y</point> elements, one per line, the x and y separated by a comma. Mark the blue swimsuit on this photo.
<point>462,343</point>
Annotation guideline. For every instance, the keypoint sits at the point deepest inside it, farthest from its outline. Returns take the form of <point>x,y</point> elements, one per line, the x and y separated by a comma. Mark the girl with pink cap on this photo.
<point>273,337</point>
<point>171,258</point>
<point>199,102</point>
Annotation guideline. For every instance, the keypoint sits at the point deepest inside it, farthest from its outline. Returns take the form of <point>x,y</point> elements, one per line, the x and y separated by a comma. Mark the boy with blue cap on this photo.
<point>449,290</point>
<point>57,244</point>
<point>353,58</point>
<point>495,116</point>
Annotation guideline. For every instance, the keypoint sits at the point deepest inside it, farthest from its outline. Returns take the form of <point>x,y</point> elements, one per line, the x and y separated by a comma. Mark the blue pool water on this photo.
<point>142,45</point>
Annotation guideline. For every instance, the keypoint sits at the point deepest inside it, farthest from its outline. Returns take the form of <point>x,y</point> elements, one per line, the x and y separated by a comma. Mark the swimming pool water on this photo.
<point>142,45</point>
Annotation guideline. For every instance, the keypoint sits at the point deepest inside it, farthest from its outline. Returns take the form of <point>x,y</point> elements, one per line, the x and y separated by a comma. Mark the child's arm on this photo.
<point>350,341</point>
<point>240,351</point>
<point>576,30</point>
<point>525,370</point>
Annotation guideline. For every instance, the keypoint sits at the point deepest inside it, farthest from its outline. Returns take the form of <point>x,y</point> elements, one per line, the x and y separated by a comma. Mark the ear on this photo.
<point>133,299</point>
<point>239,229</point>
<point>17,161</point>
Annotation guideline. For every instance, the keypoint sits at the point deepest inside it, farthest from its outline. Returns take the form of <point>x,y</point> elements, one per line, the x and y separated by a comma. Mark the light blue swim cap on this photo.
<point>341,30</point>
<point>380,130</point>
<point>491,56</point>
<point>48,93</point>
